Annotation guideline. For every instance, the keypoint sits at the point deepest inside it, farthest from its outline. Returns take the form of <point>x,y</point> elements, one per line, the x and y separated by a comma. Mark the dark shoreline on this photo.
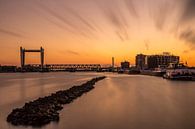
<point>44,110</point>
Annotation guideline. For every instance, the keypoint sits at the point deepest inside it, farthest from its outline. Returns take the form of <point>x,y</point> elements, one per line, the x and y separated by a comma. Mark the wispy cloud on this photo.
<point>10,33</point>
<point>120,37</point>
<point>88,26</point>
<point>188,36</point>
<point>65,21</point>
<point>83,20</point>
<point>116,18</point>
<point>186,51</point>
<point>69,52</point>
<point>131,8</point>
<point>72,52</point>
<point>160,12</point>
<point>189,10</point>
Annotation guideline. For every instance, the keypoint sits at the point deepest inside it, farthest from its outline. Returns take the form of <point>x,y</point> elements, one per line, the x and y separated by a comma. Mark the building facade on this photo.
<point>141,61</point>
<point>125,65</point>
<point>155,61</point>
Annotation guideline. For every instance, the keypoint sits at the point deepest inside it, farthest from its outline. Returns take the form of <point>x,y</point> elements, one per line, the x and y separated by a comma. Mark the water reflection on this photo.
<point>119,101</point>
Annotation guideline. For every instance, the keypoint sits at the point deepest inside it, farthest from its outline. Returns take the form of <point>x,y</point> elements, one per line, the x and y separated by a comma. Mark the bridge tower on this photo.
<point>22,55</point>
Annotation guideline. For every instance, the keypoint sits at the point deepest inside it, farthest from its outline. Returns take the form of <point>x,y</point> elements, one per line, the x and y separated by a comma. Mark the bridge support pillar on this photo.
<point>22,56</point>
<point>42,57</point>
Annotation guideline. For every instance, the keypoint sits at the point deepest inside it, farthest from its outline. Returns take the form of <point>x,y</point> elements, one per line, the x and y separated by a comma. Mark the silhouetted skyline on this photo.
<point>93,31</point>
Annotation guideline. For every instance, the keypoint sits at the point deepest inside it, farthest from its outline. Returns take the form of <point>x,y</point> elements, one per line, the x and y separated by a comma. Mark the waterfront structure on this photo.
<point>141,61</point>
<point>8,68</point>
<point>112,62</point>
<point>155,61</point>
<point>162,60</point>
<point>73,67</point>
<point>179,72</point>
<point>125,65</point>
<point>112,66</point>
<point>22,55</point>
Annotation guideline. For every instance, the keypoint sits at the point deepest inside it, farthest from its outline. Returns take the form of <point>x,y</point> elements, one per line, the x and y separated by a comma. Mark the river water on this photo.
<point>118,102</point>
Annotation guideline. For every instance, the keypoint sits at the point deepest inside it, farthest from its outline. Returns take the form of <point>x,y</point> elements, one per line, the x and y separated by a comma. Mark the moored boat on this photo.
<point>159,72</point>
<point>180,74</point>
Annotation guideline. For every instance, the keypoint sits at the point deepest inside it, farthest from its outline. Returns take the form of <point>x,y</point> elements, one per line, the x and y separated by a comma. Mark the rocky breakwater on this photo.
<point>44,110</point>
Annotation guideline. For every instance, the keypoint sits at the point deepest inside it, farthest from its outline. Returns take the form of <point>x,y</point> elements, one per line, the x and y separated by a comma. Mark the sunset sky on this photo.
<point>94,31</point>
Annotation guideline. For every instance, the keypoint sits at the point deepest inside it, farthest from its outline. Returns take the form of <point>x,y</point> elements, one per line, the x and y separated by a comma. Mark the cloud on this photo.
<point>68,23</point>
<point>10,33</point>
<point>72,52</point>
<point>159,13</point>
<point>88,26</point>
<point>189,10</point>
<point>69,52</point>
<point>188,36</point>
<point>186,51</point>
<point>131,8</point>
<point>83,20</point>
<point>56,15</point>
<point>120,37</point>
<point>116,18</point>
<point>59,25</point>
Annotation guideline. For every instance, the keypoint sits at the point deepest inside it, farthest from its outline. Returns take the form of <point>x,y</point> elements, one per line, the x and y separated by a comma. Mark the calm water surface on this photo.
<point>118,102</point>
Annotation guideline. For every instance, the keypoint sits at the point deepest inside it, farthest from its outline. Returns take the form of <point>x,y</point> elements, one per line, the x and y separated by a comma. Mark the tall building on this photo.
<point>112,62</point>
<point>141,61</point>
<point>155,61</point>
<point>125,65</point>
<point>163,60</point>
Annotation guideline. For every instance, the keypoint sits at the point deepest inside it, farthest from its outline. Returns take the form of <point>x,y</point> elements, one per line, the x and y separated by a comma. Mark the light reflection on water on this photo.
<point>118,102</point>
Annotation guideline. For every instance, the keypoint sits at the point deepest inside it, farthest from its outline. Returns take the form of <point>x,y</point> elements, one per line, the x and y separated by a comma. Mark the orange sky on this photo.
<point>93,31</point>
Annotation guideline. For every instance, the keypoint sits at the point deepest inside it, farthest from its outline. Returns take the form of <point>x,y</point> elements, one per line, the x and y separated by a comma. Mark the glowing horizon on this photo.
<point>94,31</point>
